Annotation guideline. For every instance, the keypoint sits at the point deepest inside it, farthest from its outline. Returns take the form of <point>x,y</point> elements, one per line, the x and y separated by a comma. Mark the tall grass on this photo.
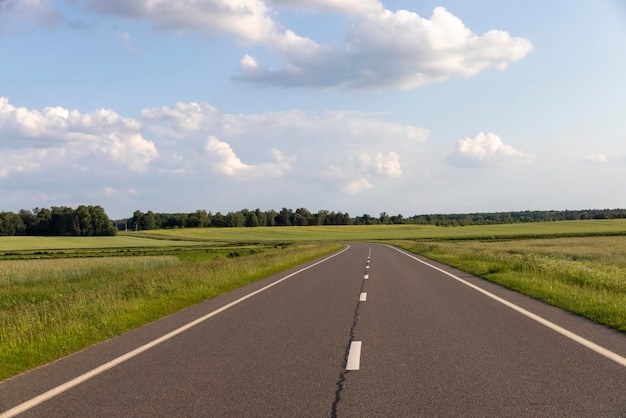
<point>48,318</point>
<point>584,276</point>
<point>22,271</point>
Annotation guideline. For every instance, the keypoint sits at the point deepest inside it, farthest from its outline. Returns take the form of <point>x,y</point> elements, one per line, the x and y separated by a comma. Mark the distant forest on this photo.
<point>93,221</point>
<point>57,221</point>
<point>303,217</point>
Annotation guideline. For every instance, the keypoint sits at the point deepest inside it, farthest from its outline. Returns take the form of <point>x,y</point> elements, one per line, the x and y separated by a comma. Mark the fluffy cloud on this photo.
<point>182,118</point>
<point>29,137</point>
<point>344,150</point>
<point>356,186</point>
<point>596,159</point>
<point>339,145</point>
<point>398,50</point>
<point>348,7</point>
<point>188,118</point>
<point>248,20</point>
<point>486,149</point>
<point>226,162</point>
<point>382,49</point>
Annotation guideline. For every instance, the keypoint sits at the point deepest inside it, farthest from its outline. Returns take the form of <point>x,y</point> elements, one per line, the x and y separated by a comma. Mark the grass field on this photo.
<point>390,232</point>
<point>89,289</point>
<point>9,244</point>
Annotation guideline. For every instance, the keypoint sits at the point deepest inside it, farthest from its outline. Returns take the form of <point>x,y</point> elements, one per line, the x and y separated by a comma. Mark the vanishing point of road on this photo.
<point>370,331</point>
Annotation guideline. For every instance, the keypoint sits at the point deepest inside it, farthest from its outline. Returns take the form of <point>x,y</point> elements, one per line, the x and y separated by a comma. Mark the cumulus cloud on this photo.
<point>226,162</point>
<point>25,161</point>
<point>361,172</point>
<point>345,150</point>
<point>182,118</point>
<point>348,7</point>
<point>32,135</point>
<point>248,20</point>
<point>486,150</point>
<point>356,186</point>
<point>342,145</point>
<point>596,159</point>
<point>381,49</point>
<point>397,50</point>
<point>187,118</point>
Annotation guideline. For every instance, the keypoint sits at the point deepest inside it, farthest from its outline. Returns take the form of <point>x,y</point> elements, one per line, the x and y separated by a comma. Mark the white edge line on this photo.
<point>354,356</point>
<point>565,332</point>
<point>25,406</point>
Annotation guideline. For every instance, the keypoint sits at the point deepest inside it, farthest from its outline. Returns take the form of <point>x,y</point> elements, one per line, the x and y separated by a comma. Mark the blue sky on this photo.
<point>353,105</point>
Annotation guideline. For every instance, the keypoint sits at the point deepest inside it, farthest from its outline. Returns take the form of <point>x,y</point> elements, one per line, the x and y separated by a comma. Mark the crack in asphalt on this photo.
<point>342,375</point>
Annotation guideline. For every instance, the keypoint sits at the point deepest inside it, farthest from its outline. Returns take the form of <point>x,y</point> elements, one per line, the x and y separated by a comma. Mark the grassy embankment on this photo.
<point>49,308</point>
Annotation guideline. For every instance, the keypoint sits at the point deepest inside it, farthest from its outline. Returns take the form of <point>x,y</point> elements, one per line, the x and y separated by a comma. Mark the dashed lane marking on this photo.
<point>354,356</point>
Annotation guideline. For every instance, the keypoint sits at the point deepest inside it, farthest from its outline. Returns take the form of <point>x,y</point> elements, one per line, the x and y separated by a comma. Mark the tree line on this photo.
<point>58,221</point>
<point>241,218</point>
<point>517,217</point>
<point>93,221</point>
<point>304,217</point>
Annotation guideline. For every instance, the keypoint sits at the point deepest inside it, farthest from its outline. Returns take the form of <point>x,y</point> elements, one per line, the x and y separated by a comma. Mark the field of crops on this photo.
<point>85,290</point>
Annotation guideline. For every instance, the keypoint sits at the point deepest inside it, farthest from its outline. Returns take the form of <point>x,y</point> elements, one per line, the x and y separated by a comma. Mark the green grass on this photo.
<point>8,244</point>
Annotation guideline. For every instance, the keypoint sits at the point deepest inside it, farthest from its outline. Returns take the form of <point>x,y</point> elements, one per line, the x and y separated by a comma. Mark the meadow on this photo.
<point>392,232</point>
<point>59,295</point>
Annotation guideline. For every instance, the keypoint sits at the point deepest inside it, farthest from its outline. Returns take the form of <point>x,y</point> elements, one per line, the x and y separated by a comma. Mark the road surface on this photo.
<point>371,331</point>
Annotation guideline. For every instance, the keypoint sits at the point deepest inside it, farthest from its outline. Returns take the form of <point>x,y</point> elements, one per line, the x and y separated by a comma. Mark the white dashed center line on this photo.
<point>363,297</point>
<point>354,356</point>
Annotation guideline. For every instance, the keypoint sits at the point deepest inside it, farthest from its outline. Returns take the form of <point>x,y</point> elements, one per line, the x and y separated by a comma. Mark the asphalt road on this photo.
<point>369,332</point>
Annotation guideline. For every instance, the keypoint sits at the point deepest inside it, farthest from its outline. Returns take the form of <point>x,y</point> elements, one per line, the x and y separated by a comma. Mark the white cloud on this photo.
<point>381,49</point>
<point>29,160</point>
<point>248,20</point>
<point>487,149</point>
<point>341,145</point>
<point>182,118</point>
<point>396,50</point>
<point>339,6</point>
<point>356,186</point>
<point>30,135</point>
<point>342,150</point>
<point>596,159</point>
<point>226,162</point>
<point>389,164</point>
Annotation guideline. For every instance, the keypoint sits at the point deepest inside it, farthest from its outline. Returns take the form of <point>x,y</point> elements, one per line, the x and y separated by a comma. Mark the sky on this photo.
<point>360,106</point>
